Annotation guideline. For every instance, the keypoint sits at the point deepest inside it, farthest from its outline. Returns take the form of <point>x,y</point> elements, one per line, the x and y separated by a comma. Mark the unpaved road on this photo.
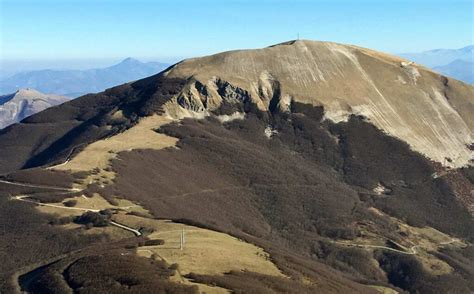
<point>412,250</point>
<point>136,232</point>
<point>24,199</point>
<point>40,186</point>
<point>68,157</point>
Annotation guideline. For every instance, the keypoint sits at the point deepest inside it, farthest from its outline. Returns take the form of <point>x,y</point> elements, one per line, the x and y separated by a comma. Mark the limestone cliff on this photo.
<point>432,113</point>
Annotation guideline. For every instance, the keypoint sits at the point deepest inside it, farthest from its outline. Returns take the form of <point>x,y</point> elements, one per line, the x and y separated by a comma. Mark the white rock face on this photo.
<point>228,118</point>
<point>433,114</point>
<point>270,132</point>
<point>23,103</point>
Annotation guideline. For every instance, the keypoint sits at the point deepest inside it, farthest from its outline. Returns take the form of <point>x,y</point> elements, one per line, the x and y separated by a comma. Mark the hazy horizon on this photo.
<point>14,66</point>
<point>72,34</point>
<point>11,67</point>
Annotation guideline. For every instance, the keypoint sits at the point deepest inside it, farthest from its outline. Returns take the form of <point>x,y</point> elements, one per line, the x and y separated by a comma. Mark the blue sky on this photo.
<point>169,30</point>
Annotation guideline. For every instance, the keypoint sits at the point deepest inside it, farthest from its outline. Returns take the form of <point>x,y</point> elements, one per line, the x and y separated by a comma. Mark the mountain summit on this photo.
<point>129,60</point>
<point>430,112</point>
<point>74,83</point>
<point>23,103</point>
<point>303,167</point>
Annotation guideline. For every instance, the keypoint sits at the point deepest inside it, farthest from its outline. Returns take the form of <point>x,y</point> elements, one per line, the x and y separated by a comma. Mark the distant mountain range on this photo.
<point>459,69</point>
<point>23,103</point>
<point>303,167</point>
<point>456,63</point>
<point>74,83</point>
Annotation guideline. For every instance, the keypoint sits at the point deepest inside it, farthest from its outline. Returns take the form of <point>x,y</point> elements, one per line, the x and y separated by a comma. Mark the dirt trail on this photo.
<point>23,198</point>
<point>412,250</point>
<point>40,186</point>
<point>136,232</point>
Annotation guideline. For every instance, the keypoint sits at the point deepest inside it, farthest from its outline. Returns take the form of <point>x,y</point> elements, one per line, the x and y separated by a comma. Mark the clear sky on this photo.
<point>169,30</point>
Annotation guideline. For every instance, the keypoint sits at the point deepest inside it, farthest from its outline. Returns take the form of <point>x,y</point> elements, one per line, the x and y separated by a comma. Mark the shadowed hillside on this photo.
<point>310,151</point>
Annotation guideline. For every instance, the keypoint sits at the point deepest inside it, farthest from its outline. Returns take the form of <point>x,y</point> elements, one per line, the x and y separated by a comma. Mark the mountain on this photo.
<point>74,83</point>
<point>456,63</point>
<point>303,167</point>
<point>440,57</point>
<point>23,103</point>
<point>458,69</point>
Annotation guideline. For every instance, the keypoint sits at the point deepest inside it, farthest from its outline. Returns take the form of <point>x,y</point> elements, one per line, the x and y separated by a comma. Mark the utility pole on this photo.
<point>181,240</point>
<point>184,237</point>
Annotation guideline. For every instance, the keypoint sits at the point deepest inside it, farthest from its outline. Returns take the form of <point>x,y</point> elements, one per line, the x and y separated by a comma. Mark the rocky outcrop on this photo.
<point>433,114</point>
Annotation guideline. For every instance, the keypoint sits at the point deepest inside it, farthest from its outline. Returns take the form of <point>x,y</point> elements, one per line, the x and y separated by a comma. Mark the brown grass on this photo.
<point>205,251</point>
<point>95,158</point>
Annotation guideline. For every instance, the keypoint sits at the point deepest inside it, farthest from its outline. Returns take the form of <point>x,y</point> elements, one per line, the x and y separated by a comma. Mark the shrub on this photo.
<point>70,203</point>
<point>93,219</point>
<point>154,242</point>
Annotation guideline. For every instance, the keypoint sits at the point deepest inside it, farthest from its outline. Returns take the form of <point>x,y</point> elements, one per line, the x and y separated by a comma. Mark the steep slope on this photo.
<point>431,113</point>
<point>58,132</point>
<point>74,83</point>
<point>23,103</point>
<point>309,150</point>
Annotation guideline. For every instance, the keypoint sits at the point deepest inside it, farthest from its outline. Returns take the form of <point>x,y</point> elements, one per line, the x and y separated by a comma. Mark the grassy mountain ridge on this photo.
<point>321,183</point>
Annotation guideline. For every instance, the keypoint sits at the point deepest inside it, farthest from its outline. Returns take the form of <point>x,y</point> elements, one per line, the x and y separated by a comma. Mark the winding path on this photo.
<point>412,250</point>
<point>40,186</point>
<point>24,199</point>
<point>122,226</point>
<point>136,232</point>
